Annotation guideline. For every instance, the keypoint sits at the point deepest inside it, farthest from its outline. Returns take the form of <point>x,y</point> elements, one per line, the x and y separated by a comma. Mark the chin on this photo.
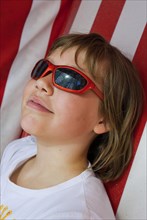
<point>29,125</point>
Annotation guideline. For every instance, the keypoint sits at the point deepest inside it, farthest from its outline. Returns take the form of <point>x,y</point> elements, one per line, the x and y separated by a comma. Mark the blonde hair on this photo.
<point>110,153</point>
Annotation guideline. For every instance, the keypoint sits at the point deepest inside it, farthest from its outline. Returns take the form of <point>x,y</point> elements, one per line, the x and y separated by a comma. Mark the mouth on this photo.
<point>38,105</point>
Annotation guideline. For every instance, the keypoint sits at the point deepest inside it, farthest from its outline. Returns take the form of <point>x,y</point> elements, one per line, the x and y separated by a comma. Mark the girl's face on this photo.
<point>57,116</point>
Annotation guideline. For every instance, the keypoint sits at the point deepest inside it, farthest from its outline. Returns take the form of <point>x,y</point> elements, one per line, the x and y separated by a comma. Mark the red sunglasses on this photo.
<point>65,78</point>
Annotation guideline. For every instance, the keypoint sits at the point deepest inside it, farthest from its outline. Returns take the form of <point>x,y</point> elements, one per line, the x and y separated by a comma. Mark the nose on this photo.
<point>44,85</point>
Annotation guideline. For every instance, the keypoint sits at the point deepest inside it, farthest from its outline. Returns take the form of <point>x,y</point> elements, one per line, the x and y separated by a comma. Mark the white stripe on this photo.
<point>133,201</point>
<point>130,27</point>
<point>33,45</point>
<point>85,16</point>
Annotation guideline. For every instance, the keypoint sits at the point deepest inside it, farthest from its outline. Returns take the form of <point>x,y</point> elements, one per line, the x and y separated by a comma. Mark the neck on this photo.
<point>53,164</point>
<point>61,159</point>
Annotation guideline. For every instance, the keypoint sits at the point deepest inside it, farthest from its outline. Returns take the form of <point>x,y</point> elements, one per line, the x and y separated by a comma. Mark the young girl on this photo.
<point>81,107</point>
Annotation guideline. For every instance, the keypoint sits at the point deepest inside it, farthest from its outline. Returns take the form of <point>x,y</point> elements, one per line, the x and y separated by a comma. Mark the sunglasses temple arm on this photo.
<point>98,93</point>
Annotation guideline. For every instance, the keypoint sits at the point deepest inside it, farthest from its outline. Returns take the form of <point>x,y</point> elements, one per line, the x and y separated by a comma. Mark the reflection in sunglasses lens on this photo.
<point>70,79</point>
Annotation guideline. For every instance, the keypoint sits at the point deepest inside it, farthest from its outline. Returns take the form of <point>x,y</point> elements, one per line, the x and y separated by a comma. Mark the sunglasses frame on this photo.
<point>52,68</point>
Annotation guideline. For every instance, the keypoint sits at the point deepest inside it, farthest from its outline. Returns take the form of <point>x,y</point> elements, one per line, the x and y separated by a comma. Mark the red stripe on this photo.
<point>107,17</point>
<point>115,189</point>
<point>64,19</point>
<point>13,16</point>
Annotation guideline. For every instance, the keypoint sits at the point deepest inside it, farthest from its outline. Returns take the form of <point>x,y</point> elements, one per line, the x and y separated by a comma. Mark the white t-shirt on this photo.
<point>82,197</point>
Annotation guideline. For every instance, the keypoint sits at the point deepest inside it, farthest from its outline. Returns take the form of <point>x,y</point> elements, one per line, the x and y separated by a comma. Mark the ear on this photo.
<point>101,127</point>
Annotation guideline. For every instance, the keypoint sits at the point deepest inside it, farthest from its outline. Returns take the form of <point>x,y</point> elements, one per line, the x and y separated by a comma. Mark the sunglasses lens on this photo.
<point>39,69</point>
<point>69,79</point>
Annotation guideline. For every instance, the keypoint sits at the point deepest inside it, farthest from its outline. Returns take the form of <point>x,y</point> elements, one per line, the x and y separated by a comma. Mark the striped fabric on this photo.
<point>28,29</point>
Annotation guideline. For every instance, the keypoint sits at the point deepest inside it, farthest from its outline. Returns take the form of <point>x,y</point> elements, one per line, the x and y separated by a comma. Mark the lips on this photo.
<point>37,104</point>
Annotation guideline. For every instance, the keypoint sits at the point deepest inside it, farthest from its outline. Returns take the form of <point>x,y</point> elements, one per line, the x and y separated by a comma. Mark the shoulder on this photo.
<point>96,198</point>
<point>83,197</point>
<point>16,148</point>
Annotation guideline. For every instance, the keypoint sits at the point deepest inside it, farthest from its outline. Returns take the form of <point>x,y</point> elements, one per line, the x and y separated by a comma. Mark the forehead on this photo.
<point>68,57</point>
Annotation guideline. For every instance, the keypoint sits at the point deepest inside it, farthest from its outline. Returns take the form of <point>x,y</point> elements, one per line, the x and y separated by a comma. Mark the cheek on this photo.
<point>78,114</point>
<point>27,118</point>
<point>29,89</point>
